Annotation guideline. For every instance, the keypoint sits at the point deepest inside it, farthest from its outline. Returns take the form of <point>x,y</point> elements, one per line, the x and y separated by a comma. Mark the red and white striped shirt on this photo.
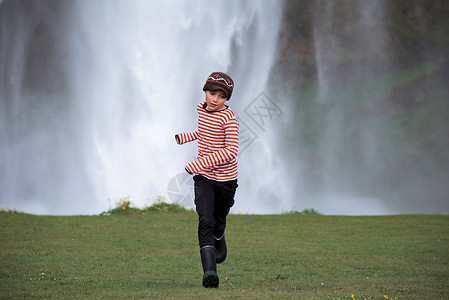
<point>218,144</point>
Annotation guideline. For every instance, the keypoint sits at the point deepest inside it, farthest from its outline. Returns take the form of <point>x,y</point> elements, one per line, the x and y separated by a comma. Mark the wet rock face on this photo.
<point>367,83</point>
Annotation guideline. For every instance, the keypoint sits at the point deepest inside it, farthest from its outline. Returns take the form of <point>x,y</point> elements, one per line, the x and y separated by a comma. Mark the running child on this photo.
<point>215,171</point>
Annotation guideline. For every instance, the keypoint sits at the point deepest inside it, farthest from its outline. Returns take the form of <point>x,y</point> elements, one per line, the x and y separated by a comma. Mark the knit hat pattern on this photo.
<point>220,81</point>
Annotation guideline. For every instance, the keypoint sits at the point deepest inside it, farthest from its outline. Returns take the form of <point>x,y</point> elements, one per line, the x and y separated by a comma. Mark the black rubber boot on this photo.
<point>220,249</point>
<point>210,277</point>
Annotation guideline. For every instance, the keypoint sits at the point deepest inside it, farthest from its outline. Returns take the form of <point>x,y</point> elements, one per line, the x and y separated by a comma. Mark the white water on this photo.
<point>347,157</point>
<point>340,193</point>
<point>129,76</point>
<point>92,92</point>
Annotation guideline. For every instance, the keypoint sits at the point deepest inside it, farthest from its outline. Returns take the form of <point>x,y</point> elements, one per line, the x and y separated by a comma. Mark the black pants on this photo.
<point>213,200</point>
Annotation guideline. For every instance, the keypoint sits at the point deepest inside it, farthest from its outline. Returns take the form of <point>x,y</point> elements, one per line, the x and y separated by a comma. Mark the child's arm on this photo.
<point>228,153</point>
<point>182,138</point>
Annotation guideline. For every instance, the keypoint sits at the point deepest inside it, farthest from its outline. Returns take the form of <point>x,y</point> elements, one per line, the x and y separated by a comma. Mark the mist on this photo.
<point>342,105</point>
<point>368,102</point>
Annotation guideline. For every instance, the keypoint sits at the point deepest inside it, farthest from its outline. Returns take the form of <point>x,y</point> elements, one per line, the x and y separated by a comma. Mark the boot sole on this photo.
<point>210,280</point>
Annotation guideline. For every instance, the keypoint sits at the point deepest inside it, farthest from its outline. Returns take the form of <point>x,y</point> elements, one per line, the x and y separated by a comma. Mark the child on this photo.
<point>215,171</point>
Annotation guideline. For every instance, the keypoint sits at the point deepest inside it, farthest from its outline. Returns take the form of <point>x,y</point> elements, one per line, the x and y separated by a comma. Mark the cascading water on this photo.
<point>368,100</point>
<point>346,142</point>
<point>93,92</point>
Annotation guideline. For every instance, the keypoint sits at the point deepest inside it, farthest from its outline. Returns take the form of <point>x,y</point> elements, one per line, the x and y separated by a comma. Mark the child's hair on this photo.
<point>219,81</point>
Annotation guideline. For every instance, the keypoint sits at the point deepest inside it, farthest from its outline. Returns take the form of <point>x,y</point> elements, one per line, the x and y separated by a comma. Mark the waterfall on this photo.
<point>366,104</point>
<point>348,145</point>
<point>92,93</point>
<point>349,118</point>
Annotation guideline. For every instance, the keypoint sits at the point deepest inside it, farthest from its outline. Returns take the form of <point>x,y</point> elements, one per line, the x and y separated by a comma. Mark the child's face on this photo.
<point>215,100</point>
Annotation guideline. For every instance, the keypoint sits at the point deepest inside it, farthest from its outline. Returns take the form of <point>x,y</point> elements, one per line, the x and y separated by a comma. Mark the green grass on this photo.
<point>155,255</point>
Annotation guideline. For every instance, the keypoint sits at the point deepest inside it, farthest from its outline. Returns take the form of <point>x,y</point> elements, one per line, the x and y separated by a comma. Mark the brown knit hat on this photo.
<point>219,81</point>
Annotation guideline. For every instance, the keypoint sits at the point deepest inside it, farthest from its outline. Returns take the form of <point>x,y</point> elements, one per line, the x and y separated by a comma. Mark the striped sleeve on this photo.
<point>226,154</point>
<point>182,138</point>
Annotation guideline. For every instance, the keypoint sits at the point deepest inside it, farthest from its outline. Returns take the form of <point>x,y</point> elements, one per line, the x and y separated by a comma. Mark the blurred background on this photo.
<point>343,105</point>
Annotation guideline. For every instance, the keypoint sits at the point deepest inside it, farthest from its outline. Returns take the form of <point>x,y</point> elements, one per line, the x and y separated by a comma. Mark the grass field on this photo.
<point>155,255</point>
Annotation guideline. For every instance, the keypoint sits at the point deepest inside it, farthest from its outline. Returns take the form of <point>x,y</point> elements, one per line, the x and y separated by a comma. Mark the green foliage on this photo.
<point>12,211</point>
<point>161,206</point>
<point>125,206</point>
<point>307,211</point>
